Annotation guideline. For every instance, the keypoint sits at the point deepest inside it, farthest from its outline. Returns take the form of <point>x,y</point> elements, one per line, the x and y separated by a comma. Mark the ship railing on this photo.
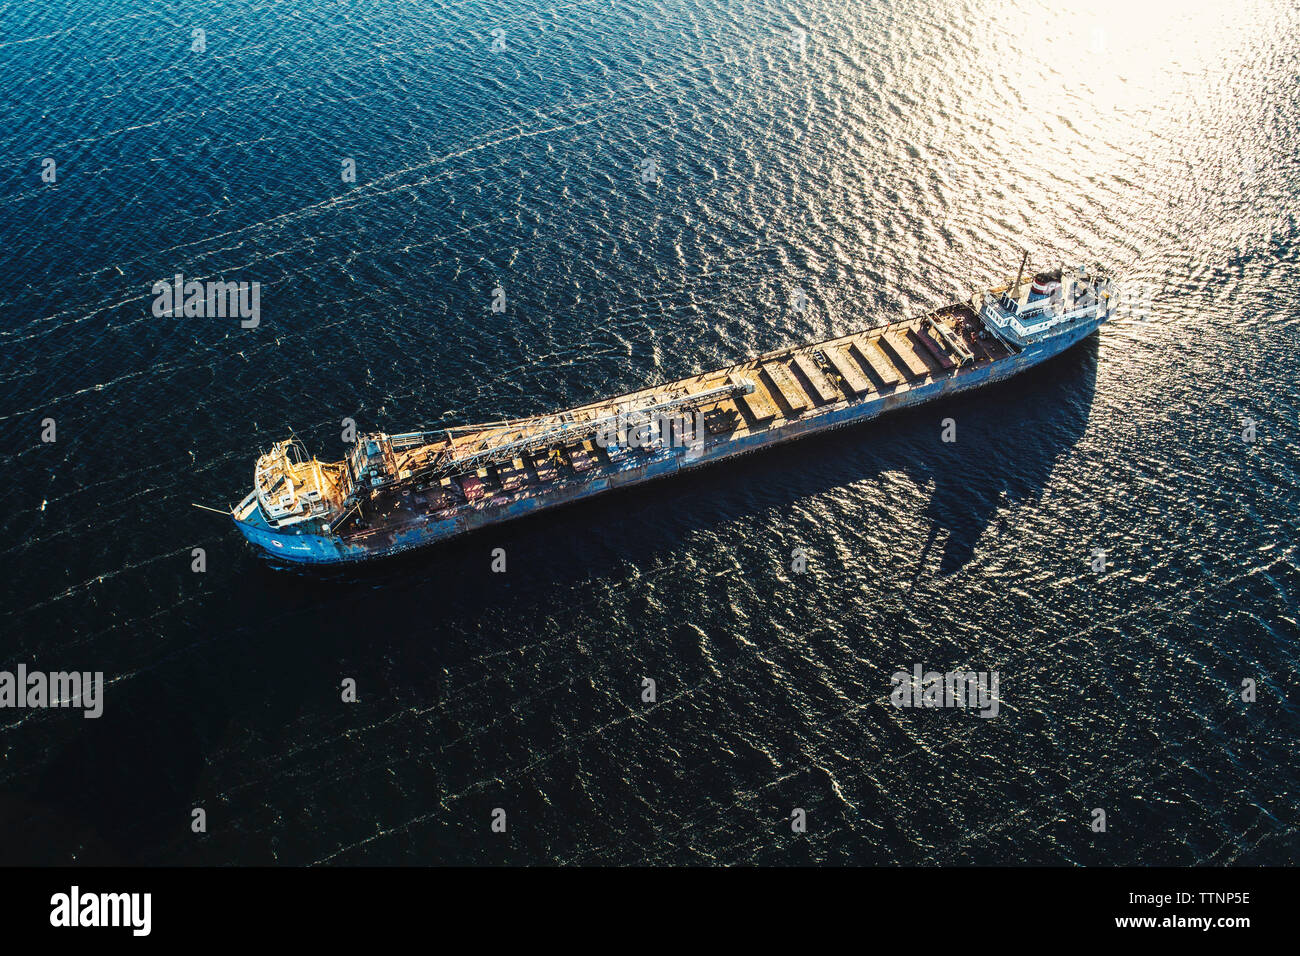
<point>410,439</point>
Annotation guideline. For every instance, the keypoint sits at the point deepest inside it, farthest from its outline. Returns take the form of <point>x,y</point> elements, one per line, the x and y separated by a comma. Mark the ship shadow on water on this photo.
<point>1032,420</point>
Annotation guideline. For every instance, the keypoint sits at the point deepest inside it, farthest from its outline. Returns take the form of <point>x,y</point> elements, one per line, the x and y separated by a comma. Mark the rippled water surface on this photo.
<point>885,158</point>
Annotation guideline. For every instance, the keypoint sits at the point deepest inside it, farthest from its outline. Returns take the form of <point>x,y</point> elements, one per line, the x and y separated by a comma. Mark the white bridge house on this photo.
<point>1025,313</point>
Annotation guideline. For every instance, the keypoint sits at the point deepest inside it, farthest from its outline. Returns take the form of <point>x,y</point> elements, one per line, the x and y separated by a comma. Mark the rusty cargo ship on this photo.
<point>394,493</point>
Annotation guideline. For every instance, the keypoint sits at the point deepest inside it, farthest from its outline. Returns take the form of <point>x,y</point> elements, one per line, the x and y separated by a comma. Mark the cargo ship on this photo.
<point>394,493</point>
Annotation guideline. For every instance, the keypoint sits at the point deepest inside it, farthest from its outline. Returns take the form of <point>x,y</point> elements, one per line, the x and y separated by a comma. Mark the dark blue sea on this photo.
<point>652,184</point>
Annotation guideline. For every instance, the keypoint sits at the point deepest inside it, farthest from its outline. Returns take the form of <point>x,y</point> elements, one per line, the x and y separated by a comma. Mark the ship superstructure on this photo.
<point>401,491</point>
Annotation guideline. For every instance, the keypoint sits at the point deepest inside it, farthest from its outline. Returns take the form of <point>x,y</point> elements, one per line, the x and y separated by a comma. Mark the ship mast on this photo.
<point>1007,299</point>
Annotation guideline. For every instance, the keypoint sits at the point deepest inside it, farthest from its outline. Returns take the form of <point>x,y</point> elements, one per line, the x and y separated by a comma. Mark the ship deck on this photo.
<point>789,384</point>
